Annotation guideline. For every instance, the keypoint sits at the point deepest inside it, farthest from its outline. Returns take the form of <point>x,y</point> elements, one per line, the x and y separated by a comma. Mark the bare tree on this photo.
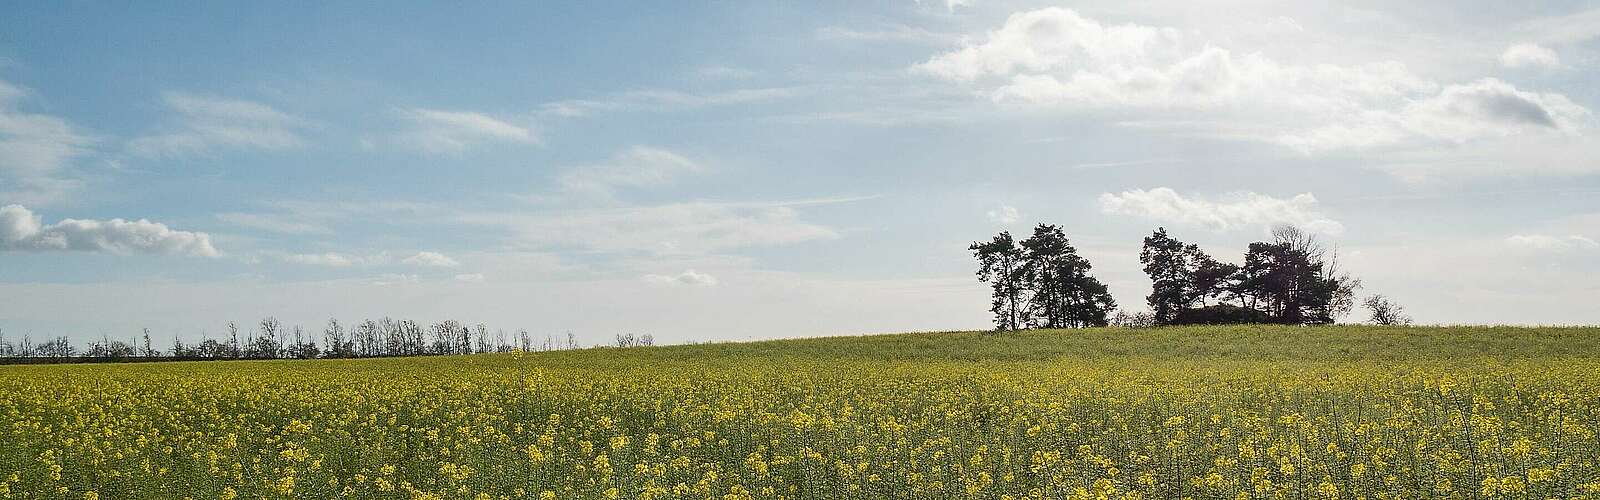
<point>627,340</point>
<point>1385,311</point>
<point>268,344</point>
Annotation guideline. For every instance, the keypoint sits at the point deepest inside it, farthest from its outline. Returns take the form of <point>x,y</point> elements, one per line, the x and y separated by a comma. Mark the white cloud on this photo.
<point>1234,211</point>
<point>1055,58</point>
<point>1552,243</point>
<point>665,100</point>
<point>470,278</point>
<point>388,279</point>
<point>950,5</point>
<point>209,123</point>
<point>639,166</point>
<point>886,33</point>
<point>273,223</point>
<point>1572,28</point>
<point>1462,113</point>
<point>1522,55</point>
<point>329,259</point>
<point>21,230</point>
<point>679,228</point>
<point>442,131</point>
<point>34,148</point>
<point>430,259</point>
<point>688,277</point>
<point>718,72</point>
<point>1004,215</point>
<point>334,259</point>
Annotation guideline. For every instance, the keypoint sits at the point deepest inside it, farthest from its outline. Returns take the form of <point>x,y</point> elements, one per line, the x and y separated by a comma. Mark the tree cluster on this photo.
<point>1291,279</point>
<point>270,339</point>
<point>1041,282</point>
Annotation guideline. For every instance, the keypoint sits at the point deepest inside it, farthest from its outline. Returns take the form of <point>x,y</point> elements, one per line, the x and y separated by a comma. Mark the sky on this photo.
<point>744,170</point>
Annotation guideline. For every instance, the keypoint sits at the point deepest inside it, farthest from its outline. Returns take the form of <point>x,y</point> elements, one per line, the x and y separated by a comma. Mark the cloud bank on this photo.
<point>1234,211</point>
<point>1056,58</point>
<point>21,230</point>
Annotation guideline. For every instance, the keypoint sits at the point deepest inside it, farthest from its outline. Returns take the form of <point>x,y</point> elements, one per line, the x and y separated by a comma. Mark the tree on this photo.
<point>1063,294</point>
<point>1293,279</point>
<point>1385,311</point>
<point>1125,319</point>
<point>482,331</point>
<point>1182,276</point>
<point>1166,262</point>
<point>1000,263</point>
<point>268,345</point>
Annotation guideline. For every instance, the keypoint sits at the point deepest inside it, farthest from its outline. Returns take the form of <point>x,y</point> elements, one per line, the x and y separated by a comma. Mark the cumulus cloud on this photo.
<point>688,277</point>
<point>430,259</point>
<point>443,131</point>
<point>639,166</point>
<point>1524,55</point>
<point>21,230</point>
<point>1485,109</point>
<point>1056,58</point>
<point>1234,211</point>
<point>1004,215</point>
<point>34,149</point>
<point>207,123</point>
<point>1552,243</point>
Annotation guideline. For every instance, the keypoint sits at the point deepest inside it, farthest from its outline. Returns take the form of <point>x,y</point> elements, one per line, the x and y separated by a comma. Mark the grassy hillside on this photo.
<point>1205,412</point>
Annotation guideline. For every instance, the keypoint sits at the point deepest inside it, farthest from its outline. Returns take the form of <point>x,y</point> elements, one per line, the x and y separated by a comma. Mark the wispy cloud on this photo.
<point>686,278</point>
<point>336,259</point>
<point>1529,55</point>
<point>677,228</point>
<point>206,124</point>
<point>1547,242</point>
<point>899,33</point>
<point>1574,28</point>
<point>666,100</point>
<point>1004,215</point>
<point>445,131</point>
<point>34,150</point>
<point>430,259</point>
<point>276,223</point>
<point>638,166</point>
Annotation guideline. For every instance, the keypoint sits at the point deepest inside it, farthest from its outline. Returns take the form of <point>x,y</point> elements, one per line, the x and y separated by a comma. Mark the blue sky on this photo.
<point>732,171</point>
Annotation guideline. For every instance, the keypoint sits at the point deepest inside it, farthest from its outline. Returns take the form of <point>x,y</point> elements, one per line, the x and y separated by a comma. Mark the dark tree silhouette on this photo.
<point>1385,311</point>
<point>1064,295</point>
<point>1040,282</point>
<point>1000,264</point>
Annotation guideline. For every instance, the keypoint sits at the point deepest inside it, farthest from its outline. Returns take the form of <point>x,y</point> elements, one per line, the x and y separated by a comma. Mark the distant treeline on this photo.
<point>270,339</point>
<point>1042,282</point>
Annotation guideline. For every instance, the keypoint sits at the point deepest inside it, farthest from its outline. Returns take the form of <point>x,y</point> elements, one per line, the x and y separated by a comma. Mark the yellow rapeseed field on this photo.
<point>1237,412</point>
